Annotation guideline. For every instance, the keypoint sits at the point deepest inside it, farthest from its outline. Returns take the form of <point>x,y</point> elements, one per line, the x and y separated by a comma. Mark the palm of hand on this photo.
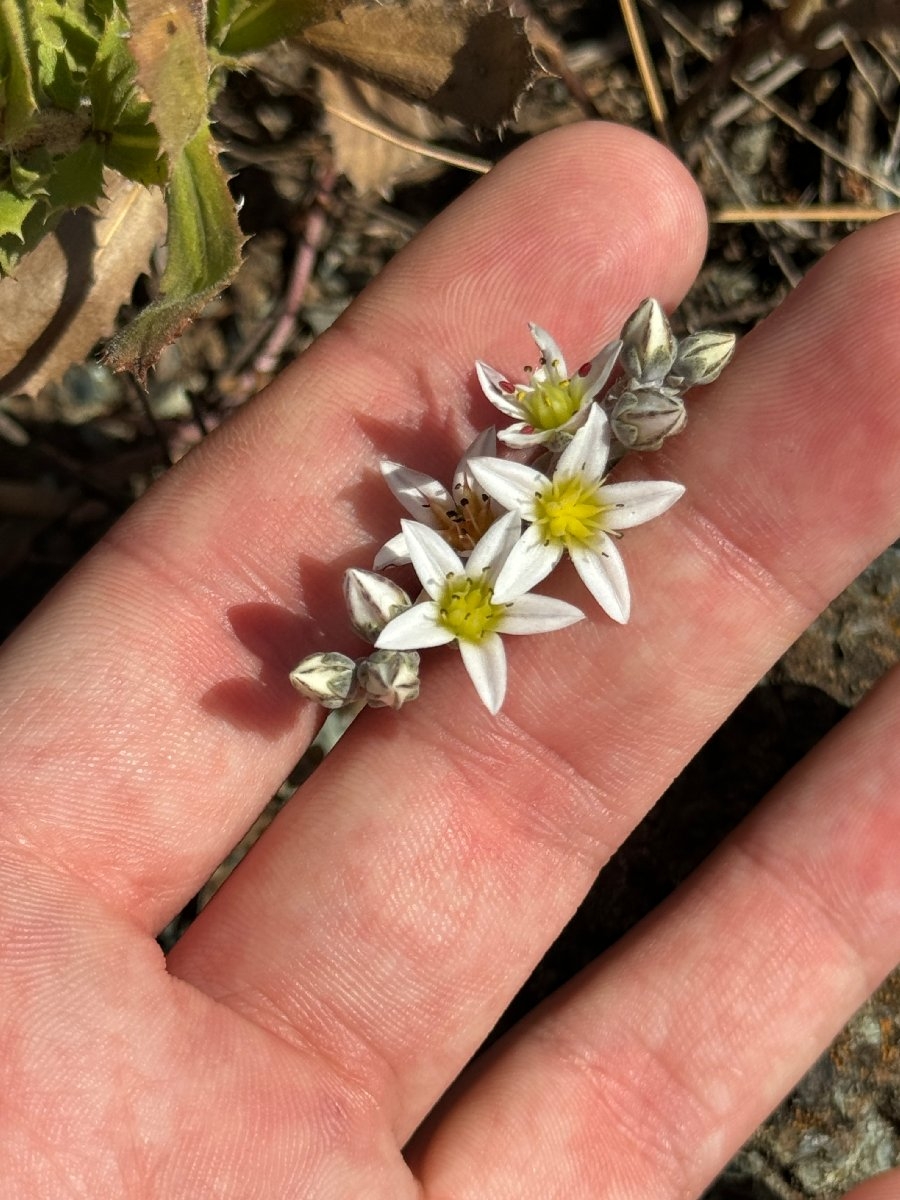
<point>336,987</point>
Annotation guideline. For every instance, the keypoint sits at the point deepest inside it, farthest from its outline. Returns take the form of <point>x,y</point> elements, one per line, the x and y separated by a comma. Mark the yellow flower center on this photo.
<point>570,512</point>
<point>550,405</point>
<point>467,609</point>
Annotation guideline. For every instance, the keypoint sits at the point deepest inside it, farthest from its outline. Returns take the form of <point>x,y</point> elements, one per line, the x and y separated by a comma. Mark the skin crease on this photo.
<point>329,998</point>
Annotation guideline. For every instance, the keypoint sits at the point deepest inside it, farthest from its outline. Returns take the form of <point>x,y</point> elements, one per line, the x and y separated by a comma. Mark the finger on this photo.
<point>880,1187</point>
<point>647,1073</point>
<point>147,704</point>
<point>443,852</point>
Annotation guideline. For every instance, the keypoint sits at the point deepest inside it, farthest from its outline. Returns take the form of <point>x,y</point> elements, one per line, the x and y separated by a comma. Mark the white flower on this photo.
<point>462,606</point>
<point>552,405</point>
<point>574,511</point>
<point>461,518</point>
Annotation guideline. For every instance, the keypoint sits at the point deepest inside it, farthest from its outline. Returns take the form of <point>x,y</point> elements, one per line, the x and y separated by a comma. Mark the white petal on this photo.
<point>603,573</point>
<point>597,371</point>
<point>392,554</point>
<point>414,629</point>
<point>538,614</point>
<point>638,502</point>
<point>486,663</point>
<point>578,420</point>
<point>431,557</point>
<point>522,435</point>
<point>529,561</point>
<point>588,451</point>
<point>416,491</point>
<point>484,444</point>
<point>550,353</point>
<point>493,547</point>
<point>491,382</point>
<point>512,484</point>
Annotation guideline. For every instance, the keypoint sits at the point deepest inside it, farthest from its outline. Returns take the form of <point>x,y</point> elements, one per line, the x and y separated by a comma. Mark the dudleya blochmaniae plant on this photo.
<point>480,546</point>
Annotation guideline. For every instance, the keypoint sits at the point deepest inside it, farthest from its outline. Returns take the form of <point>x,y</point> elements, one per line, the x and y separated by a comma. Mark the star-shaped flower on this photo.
<point>574,511</point>
<point>462,606</point>
<point>461,516</point>
<point>552,405</point>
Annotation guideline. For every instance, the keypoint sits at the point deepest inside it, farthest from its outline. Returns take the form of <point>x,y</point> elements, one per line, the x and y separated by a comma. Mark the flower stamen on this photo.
<point>466,608</point>
<point>570,512</point>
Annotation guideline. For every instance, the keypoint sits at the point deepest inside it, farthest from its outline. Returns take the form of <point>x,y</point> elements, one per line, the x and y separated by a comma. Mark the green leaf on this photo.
<point>219,16</point>
<point>77,178</point>
<point>109,84</point>
<point>204,254</point>
<point>120,117</point>
<point>18,68</point>
<point>77,52</point>
<point>38,222</point>
<point>262,22</point>
<point>56,184</point>
<point>133,150</point>
<point>13,211</point>
<point>27,179</point>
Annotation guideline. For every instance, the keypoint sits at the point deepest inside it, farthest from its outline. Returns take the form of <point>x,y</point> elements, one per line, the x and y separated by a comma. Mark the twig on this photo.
<point>813,213</point>
<point>646,69</point>
<point>468,162</point>
<point>892,157</point>
<point>544,40</point>
<point>266,360</point>
<point>860,118</point>
<point>734,181</point>
<point>866,69</point>
<point>161,441</point>
<point>735,107</point>
<point>819,139</point>
<point>12,432</point>
<point>684,27</point>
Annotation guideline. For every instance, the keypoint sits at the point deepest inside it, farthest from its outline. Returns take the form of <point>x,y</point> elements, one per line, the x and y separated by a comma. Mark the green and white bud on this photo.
<point>372,601</point>
<point>328,677</point>
<point>700,359</point>
<point>643,418</point>
<point>648,344</point>
<point>389,678</point>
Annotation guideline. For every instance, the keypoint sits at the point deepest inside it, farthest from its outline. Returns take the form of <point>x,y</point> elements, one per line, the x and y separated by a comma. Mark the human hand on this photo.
<point>333,991</point>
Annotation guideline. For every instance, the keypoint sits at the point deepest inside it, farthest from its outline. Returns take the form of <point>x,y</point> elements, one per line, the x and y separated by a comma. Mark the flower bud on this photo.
<point>328,677</point>
<point>372,601</point>
<point>700,359</point>
<point>390,678</point>
<point>643,418</point>
<point>648,344</point>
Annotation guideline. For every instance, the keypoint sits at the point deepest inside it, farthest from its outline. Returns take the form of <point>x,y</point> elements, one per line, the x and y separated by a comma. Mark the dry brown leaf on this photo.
<point>467,60</point>
<point>67,292</point>
<point>372,161</point>
<point>173,70</point>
